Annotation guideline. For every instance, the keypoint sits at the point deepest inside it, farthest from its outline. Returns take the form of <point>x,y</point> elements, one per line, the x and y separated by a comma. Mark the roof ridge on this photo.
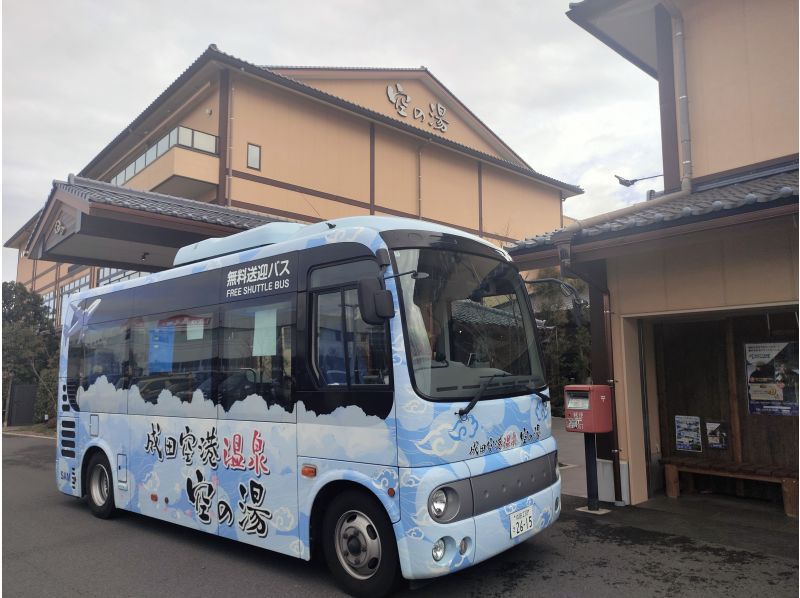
<point>76,181</point>
<point>343,68</point>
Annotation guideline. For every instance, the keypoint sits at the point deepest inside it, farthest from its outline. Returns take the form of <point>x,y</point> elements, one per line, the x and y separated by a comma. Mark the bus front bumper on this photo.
<point>473,539</point>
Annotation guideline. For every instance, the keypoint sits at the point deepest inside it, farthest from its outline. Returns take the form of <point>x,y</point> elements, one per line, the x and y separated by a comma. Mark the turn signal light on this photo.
<point>308,471</point>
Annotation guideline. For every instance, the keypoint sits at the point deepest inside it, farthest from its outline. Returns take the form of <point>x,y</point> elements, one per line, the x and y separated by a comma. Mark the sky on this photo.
<point>76,73</point>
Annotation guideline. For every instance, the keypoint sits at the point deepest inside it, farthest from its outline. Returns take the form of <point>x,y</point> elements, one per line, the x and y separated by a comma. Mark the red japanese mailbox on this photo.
<point>587,408</point>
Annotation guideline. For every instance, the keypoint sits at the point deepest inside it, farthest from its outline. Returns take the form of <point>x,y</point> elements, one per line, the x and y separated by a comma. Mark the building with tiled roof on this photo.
<point>694,288</point>
<point>230,144</point>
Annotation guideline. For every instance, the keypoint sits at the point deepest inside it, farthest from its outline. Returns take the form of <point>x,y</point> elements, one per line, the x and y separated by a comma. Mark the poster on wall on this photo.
<point>717,435</point>
<point>687,433</point>
<point>772,378</point>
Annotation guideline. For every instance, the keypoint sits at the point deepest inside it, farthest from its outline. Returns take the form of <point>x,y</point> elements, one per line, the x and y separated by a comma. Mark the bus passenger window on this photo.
<point>105,368</point>
<point>106,354</point>
<point>172,364</point>
<point>348,351</point>
<point>256,358</point>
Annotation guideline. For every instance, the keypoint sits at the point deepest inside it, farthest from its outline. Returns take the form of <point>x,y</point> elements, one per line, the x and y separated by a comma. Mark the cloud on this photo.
<point>568,105</point>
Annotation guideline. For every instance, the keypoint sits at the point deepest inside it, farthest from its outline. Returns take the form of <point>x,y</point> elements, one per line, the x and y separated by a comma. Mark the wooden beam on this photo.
<point>733,391</point>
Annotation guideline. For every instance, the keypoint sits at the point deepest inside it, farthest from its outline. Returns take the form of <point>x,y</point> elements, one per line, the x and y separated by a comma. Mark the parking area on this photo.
<point>52,546</point>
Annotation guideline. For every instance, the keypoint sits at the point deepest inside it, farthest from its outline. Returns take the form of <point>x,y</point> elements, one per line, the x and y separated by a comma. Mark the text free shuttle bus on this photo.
<point>254,394</point>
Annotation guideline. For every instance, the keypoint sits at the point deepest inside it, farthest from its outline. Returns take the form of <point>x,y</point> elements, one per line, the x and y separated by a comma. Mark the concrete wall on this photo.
<point>742,68</point>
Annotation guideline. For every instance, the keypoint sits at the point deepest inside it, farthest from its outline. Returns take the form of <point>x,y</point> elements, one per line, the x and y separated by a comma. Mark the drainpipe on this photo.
<point>679,47</point>
<point>419,181</point>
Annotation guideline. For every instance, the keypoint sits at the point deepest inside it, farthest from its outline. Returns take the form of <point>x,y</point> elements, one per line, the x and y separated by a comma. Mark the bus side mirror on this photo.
<point>374,302</point>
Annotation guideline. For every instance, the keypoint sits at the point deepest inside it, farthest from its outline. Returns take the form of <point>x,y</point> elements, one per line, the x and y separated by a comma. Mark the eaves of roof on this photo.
<point>213,54</point>
<point>13,241</point>
<point>581,13</point>
<point>780,187</point>
<point>101,193</point>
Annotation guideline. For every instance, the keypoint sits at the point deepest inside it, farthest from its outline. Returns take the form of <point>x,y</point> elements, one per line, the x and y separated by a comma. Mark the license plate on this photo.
<point>521,521</point>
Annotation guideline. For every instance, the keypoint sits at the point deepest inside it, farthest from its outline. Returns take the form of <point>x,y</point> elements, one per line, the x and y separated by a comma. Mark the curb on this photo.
<point>28,435</point>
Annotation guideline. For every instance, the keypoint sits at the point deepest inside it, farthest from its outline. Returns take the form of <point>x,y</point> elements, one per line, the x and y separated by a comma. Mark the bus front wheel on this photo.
<point>359,545</point>
<point>100,487</point>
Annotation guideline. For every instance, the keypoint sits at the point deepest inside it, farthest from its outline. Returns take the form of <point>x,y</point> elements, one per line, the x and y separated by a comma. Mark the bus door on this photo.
<point>346,406</point>
<point>257,489</point>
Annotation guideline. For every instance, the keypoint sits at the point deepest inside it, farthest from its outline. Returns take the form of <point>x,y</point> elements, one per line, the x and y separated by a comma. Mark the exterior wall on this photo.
<point>314,155</point>
<point>203,115</point>
<point>742,267</point>
<point>742,69</point>
<point>302,142</point>
<point>396,171</point>
<point>371,93</point>
<point>513,208</point>
<point>24,268</point>
<point>449,188</point>
<point>289,204</point>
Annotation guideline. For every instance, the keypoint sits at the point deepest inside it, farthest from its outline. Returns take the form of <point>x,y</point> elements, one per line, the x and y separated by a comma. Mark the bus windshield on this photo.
<point>468,325</point>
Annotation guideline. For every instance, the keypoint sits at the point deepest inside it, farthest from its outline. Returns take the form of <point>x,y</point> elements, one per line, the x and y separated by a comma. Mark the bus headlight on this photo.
<point>450,502</point>
<point>438,503</point>
<point>437,552</point>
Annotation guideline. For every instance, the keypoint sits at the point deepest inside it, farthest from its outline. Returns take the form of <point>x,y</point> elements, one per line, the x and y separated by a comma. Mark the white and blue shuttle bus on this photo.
<point>367,387</point>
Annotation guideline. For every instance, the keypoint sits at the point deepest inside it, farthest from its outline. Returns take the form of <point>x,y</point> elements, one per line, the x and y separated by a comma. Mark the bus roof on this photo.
<point>279,232</point>
<point>264,241</point>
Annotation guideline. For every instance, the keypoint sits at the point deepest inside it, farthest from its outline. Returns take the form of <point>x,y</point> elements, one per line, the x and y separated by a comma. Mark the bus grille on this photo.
<point>67,439</point>
<point>72,392</point>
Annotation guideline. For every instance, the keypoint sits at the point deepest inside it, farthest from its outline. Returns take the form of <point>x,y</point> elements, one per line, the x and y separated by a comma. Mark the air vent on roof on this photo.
<point>268,234</point>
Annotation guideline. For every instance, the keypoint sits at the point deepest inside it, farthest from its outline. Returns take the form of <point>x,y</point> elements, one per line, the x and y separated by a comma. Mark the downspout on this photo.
<point>419,181</point>
<point>679,47</point>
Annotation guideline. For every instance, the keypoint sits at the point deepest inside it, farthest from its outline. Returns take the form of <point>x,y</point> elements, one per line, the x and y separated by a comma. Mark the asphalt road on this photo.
<point>52,546</point>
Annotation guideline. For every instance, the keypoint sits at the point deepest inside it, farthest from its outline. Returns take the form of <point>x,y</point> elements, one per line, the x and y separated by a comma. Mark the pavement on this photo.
<point>703,545</point>
<point>571,458</point>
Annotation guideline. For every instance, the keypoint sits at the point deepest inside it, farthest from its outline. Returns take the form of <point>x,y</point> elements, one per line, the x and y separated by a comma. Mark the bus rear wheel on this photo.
<point>359,545</point>
<point>100,487</point>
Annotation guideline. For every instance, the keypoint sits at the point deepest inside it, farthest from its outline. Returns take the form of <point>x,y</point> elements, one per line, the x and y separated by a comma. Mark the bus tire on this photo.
<point>100,487</point>
<point>359,545</point>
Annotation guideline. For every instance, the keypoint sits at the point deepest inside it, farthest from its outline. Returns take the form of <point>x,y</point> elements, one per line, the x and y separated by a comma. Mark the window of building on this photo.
<point>172,364</point>
<point>347,350</point>
<point>110,275</point>
<point>185,136</point>
<point>49,301</point>
<point>254,156</point>
<point>204,142</point>
<point>256,360</point>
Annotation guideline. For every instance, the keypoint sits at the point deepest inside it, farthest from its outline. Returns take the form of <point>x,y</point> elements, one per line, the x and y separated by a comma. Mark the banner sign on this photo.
<point>772,378</point>
<point>269,276</point>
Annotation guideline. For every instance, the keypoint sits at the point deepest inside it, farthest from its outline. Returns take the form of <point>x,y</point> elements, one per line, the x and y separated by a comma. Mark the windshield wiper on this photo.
<point>465,410</point>
<point>462,413</point>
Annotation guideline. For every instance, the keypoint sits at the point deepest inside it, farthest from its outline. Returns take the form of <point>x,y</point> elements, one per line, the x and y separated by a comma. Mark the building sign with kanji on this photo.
<point>259,278</point>
<point>435,113</point>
